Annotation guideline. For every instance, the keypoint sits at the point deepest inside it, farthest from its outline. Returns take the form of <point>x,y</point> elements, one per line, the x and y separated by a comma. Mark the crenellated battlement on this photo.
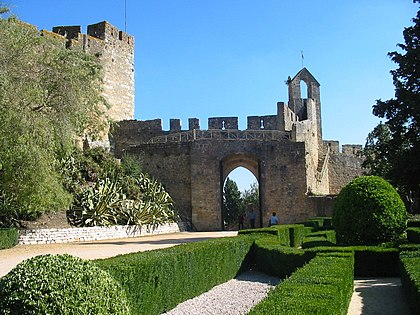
<point>114,50</point>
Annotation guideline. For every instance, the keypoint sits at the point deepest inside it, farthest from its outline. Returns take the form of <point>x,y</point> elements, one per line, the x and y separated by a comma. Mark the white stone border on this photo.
<point>48,236</point>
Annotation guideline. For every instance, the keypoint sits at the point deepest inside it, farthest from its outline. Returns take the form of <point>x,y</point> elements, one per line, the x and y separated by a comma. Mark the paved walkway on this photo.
<point>102,249</point>
<point>378,296</point>
<point>371,296</point>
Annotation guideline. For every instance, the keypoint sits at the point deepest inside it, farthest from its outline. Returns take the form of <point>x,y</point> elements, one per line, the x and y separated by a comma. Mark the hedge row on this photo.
<point>323,286</point>
<point>369,261</point>
<point>277,260</point>
<point>413,235</point>
<point>8,237</point>
<point>410,278</point>
<point>291,235</point>
<point>319,223</point>
<point>320,238</point>
<point>413,223</point>
<point>158,280</point>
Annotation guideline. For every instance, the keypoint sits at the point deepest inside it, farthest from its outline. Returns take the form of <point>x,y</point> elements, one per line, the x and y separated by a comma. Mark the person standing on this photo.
<point>251,217</point>
<point>241,221</point>
<point>274,220</point>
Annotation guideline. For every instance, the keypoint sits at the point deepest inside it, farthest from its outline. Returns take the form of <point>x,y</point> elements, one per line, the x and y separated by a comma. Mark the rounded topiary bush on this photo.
<point>369,210</point>
<point>60,284</point>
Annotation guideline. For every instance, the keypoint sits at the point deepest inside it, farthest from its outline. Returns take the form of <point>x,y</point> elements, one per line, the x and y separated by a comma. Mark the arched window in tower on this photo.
<point>303,89</point>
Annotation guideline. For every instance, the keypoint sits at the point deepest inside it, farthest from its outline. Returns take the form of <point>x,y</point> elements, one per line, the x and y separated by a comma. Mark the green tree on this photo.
<point>232,202</point>
<point>393,148</point>
<point>49,96</point>
<point>251,196</point>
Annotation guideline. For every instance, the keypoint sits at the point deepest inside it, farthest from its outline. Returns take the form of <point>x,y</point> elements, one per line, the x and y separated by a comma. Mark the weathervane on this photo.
<point>301,54</point>
<point>125,16</point>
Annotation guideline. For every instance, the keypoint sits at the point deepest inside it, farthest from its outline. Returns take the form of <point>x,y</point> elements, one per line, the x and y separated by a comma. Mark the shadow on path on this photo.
<point>378,296</point>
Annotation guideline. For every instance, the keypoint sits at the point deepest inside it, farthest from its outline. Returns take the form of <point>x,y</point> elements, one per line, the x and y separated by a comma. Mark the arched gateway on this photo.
<point>284,151</point>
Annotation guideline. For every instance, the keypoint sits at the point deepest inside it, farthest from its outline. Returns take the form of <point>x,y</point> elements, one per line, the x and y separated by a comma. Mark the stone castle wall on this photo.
<point>114,50</point>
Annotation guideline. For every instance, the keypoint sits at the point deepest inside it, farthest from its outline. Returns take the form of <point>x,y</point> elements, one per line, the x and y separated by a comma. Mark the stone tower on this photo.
<point>299,103</point>
<point>115,52</point>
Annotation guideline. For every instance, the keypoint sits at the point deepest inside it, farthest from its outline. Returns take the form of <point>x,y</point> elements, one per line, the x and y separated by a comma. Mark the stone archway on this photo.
<point>249,162</point>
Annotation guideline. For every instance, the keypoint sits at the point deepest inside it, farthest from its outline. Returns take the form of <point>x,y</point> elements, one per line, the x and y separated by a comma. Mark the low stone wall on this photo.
<point>48,236</point>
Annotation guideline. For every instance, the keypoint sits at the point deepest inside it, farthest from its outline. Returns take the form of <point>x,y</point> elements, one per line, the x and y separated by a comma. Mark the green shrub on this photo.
<point>367,211</point>
<point>376,261</point>
<point>281,231</point>
<point>323,286</point>
<point>60,284</point>
<point>8,237</point>
<point>413,234</point>
<point>297,233</point>
<point>410,278</point>
<point>277,260</point>
<point>315,241</point>
<point>319,223</point>
<point>369,261</point>
<point>157,281</point>
<point>413,223</point>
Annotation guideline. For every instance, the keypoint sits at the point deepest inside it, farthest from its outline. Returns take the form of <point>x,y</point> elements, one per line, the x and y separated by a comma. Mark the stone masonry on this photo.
<point>114,50</point>
<point>296,169</point>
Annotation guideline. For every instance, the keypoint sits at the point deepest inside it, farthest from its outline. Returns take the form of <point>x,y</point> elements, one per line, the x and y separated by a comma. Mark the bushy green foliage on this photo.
<point>232,205</point>
<point>8,237</point>
<point>323,286</point>
<point>413,235</point>
<point>48,96</point>
<point>287,234</point>
<point>157,281</point>
<point>392,149</point>
<point>108,192</point>
<point>376,261</point>
<point>369,261</point>
<point>410,278</point>
<point>368,210</point>
<point>319,223</point>
<point>60,284</point>
<point>274,259</point>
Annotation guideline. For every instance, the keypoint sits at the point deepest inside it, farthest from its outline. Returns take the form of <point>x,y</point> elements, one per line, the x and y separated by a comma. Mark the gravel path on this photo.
<point>236,296</point>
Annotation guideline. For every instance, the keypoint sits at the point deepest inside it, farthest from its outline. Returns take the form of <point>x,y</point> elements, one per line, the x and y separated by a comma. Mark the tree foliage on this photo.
<point>393,147</point>
<point>232,202</point>
<point>108,192</point>
<point>49,95</point>
<point>236,203</point>
<point>368,210</point>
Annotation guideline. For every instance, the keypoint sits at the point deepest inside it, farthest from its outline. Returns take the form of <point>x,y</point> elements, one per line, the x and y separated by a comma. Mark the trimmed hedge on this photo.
<point>60,284</point>
<point>277,260</point>
<point>8,237</point>
<point>281,234</point>
<point>410,278</point>
<point>157,281</point>
<point>319,223</point>
<point>369,261</point>
<point>288,234</point>
<point>413,223</point>
<point>323,286</point>
<point>320,238</point>
<point>367,211</point>
<point>413,235</point>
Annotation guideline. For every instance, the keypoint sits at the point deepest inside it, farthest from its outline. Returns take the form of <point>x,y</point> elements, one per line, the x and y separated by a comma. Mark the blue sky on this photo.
<point>209,58</point>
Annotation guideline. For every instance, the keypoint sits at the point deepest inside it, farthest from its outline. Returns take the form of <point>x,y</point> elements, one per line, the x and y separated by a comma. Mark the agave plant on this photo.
<point>99,204</point>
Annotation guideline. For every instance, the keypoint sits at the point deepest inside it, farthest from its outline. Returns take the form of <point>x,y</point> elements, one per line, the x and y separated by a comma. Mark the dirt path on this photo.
<point>102,249</point>
<point>377,297</point>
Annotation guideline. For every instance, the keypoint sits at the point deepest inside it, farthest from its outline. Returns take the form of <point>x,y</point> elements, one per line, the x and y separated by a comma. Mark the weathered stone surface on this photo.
<point>296,173</point>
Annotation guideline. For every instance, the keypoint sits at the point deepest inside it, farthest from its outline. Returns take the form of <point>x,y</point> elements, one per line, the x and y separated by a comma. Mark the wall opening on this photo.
<point>240,192</point>
<point>303,89</point>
